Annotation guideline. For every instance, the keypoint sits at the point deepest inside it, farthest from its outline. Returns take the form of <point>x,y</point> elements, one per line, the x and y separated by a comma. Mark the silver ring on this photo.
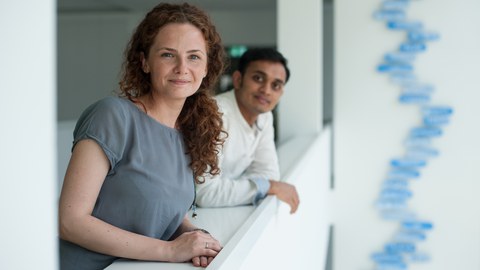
<point>206,244</point>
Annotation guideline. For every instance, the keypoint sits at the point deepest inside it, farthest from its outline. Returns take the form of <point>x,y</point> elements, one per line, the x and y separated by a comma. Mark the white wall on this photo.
<point>299,241</point>
<point>27,141</point>
<point>370,126</point>
<point>299,40</point>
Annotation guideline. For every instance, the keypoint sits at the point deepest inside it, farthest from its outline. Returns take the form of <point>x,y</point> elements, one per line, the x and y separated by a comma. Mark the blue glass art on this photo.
<point>401,249</point>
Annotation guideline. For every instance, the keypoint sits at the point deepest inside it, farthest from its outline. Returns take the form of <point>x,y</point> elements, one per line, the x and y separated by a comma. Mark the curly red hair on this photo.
<point>199,121</point>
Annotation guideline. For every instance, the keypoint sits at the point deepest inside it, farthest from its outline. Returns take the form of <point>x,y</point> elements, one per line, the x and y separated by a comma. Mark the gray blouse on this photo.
<point>149,187</point>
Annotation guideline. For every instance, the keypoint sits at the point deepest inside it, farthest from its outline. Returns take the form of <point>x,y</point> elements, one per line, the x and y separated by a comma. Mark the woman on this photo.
<point>130,180</point>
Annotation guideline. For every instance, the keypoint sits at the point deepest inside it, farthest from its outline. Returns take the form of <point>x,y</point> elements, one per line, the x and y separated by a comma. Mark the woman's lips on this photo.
<point>179,81</point>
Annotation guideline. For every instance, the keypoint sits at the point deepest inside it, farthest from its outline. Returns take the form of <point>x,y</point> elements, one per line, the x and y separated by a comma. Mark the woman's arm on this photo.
<point>85,175</point>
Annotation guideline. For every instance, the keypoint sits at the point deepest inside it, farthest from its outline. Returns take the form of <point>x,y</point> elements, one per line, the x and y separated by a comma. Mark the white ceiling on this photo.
<point>145,5</point>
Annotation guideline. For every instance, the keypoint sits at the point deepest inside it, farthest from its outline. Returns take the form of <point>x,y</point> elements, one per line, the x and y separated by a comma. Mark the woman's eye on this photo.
<point>194,57</point>
<point>167,55</point>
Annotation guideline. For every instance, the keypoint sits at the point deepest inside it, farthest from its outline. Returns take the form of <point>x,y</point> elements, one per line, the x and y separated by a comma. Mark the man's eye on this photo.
<point>277,86</point>
<point>257,78</point>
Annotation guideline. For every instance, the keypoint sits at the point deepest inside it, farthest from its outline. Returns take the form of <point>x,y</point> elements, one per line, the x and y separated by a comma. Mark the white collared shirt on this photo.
<point>247,161</point>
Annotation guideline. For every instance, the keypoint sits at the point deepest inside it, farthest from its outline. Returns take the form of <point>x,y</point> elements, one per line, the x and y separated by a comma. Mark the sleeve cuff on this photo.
<point>263,185</point>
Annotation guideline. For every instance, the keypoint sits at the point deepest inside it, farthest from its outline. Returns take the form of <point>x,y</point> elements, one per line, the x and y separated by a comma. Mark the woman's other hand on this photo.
<point>197,246</point>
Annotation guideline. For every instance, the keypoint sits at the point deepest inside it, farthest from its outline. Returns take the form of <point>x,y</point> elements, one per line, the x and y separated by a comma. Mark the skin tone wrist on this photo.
<point>271,190</point>
<point>286,193</point>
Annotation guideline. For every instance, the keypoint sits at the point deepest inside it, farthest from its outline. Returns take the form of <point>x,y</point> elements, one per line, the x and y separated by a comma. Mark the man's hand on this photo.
<point>286,193</point>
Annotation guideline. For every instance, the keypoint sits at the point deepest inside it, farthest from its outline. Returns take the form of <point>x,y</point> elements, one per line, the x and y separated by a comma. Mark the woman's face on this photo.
<point>177,61</point>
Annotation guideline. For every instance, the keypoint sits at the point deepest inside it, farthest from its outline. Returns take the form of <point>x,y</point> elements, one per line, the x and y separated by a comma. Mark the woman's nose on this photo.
<point>181,67</point>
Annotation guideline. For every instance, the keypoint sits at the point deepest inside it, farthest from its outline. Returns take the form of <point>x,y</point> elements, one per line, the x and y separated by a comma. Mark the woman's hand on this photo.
<point>202,261</point>
<point>197,246</point>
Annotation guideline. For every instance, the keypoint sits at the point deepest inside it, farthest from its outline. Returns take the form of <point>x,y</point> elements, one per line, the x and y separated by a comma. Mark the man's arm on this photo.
<point>266,163</point>
<point>220,191</point>
<point>234,186</point>
<point>286,193</point>
<point>257,168</point>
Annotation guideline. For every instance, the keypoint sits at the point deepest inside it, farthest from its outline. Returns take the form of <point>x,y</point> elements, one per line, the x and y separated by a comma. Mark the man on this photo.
<point>248,160</point>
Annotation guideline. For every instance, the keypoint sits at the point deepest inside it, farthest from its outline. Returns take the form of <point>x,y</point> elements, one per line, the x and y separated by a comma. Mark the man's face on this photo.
<point>260,88</point>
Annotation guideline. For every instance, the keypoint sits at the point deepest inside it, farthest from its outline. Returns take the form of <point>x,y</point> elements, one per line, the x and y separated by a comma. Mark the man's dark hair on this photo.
<point>262,54</point>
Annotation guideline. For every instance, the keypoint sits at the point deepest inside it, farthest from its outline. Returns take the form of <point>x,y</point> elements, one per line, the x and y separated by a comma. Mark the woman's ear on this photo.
<point>237,79</point>
<point>145,66</point>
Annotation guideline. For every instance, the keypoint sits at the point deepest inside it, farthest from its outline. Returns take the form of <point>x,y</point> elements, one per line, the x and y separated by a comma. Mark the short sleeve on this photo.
<point>106,123</point>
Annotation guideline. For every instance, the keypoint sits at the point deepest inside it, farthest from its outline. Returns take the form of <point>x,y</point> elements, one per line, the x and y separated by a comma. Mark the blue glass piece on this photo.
<point>437,110</point>
<point>422,152</point>
<point>398,4</point>
<point>399,57</point>
<point>414,98</point>
<point>399,247</point>
<point>426,132</point>
<point>391,203</point>
<point>389,15</point>
<point>418,257</point>
<point>436,120</point>
<point>422,36</point>
<point>395,183</point>
<point>394,67</point>
<point>410,236</point>
<point>404,25</point>
<point>386,257</point>
<point>412,47</point>
<point>418,142</point>
<point>391,266</point>
<point>417,225</point>
<point>404,173</point>
<point>418,88</point>
<point>408,162</point>
<point>390,193</point>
